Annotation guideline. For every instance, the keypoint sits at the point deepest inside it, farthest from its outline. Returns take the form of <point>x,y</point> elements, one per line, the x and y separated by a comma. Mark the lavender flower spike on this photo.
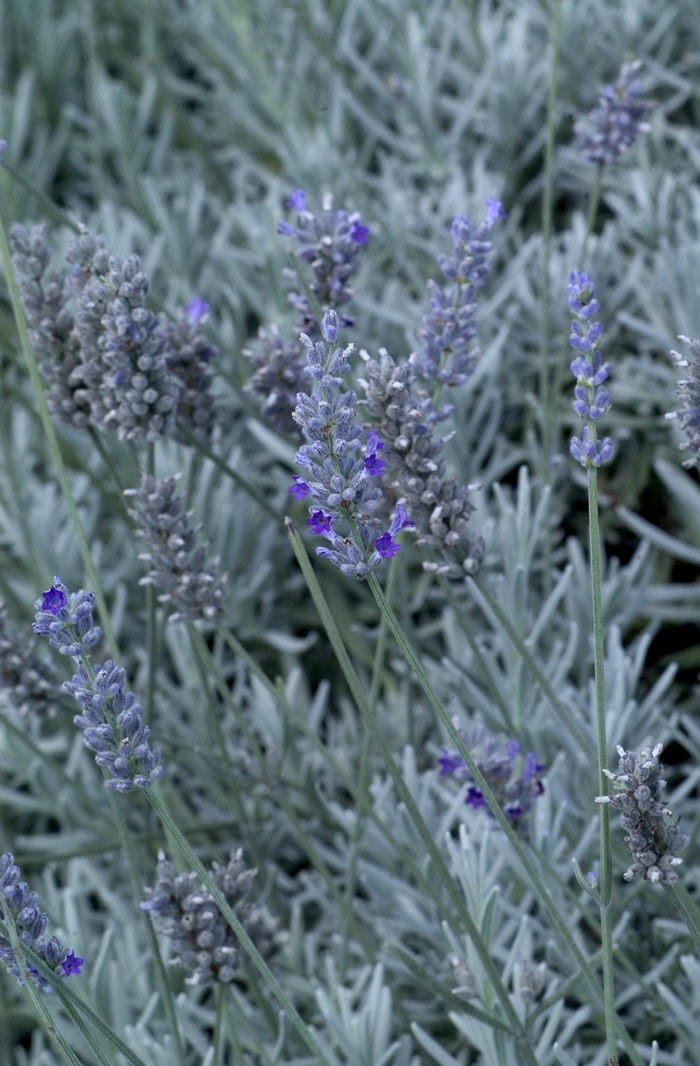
<point>606,133</point>
<point>591,398</point>
<point>191,583</point>
<point>448,330</point>
<point>637,791</point>
<point>203,943</point>
<point>688,414</point>
<point>20,907</point>
<point>111,717</point>
<point>514,780</point>
<point>339,467</point>
<point>329,243</point>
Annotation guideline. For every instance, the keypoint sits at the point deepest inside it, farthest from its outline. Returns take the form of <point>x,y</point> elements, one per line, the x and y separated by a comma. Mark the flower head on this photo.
<point>688,414</point>
<point>328,243</point>
<point>651,839</point>
<point>606,133</point>
<point>20,908</point>
<point>448,329</point>
<point>515,780</point>
<point>591,399</point>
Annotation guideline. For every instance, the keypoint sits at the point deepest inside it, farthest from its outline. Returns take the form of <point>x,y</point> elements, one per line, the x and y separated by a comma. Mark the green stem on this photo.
<point>50,1027</point>
<point>592,214</point>
<point>66,995</point>
<point>482,594</point>
<point>481,783</point>
<point>546,398</point>
<point>605,856</point>
<point>242,481</point>
<point>88,1037</point>
<point>463,624</point>
<point>688,908</point>
<point>400,785</point>
<point>52,440</point>
<point>161,975</point>
<point>248,946</point>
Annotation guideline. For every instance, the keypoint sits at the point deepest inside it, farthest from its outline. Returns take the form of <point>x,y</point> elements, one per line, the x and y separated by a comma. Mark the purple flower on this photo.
<point>474,798</point>
<point>358,232</point>
<point>53,600</point>
<point>299,489</point>
<point>71,964</point>
<point>605,133</point>
<point>373,465</point>
<point>386,547</point>
<point>196,309</point>
<point>297,200</point>
<point>320,522</point>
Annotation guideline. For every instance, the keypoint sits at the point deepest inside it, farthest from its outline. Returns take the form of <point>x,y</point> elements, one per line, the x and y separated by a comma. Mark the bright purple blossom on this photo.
<point>53,600</point>
<point>71,964</point>
<point>386,546</point>
<point>297,200</point>
<point>358,232</point>
<point>300,488</point>
<point>320,522</point>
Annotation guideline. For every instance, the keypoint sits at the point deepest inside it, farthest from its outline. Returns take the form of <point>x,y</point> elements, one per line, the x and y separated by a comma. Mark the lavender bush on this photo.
<point>338,387</point>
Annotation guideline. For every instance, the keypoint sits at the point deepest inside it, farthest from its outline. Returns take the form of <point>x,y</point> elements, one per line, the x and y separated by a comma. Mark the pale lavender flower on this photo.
<point>329,243</point>
<point>651,839</point>
<point>514,779</point>
<point>445,353</point>
<point>340,467</point>
<point>191,583</point>
<point>591,398</point>
<point>188,356</point>
<point>21,907</point>
<point>404,417</point>
<point>279,375</point>
<point>605,133</point>
<point>688,414</point>
<point>111,717</point>
<point>28,679</point>
<point>203,943</point>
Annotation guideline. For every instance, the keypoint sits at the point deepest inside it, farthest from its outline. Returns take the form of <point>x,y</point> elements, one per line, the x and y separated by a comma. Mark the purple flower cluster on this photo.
<point>637,794</point>
<point>339,466</point>
<point>514,780</point>
<point>111,717</point>
<point>591,398</point>
<point>689,391</point>
<point>203,943</point>
<point>110,361</point>
<point>449,329</point>
<point>605,133</point>
<point>328,243</point>
<point>20,907</point>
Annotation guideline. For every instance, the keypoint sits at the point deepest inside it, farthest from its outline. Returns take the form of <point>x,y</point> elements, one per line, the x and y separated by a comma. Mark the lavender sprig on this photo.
<point>637,794</point>
<point>20,907</point>
<point>329,244</point>
<point>688,414</point>
<point>339,466</point>
<point>191,583</point>
<point>607,131</point>
<point>591,398</point>
<point>445,354</point>
<point>515,782</point>
<point>404,417</point>
<point>202,940</point>
<point>111,717</point>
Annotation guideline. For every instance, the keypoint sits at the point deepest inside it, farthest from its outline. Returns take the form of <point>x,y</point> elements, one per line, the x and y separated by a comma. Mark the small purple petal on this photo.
<point>320,522</point>
<point>474,798</point>
<point>400,520</point>
<point>297,200</point>
<point>359,233</point>
<point>375,467</point>
<point>71,964</point>
<point>53,600</point>
<point>300,488</point>
<point>386,547</point>
<point>494,210</point>
<point>196,309</point>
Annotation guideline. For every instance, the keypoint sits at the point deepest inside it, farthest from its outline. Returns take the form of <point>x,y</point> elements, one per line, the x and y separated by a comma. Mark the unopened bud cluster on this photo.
<point>203,942</point>
<point>650,837</point>
<point>606,133</point>
<point>591,398</point>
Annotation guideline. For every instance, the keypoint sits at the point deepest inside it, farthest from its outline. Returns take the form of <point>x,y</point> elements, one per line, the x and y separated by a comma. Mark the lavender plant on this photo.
<point>607,132</point>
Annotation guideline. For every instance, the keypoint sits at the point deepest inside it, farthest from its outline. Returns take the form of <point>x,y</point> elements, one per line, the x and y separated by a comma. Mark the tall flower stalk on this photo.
<point>591,402</point>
